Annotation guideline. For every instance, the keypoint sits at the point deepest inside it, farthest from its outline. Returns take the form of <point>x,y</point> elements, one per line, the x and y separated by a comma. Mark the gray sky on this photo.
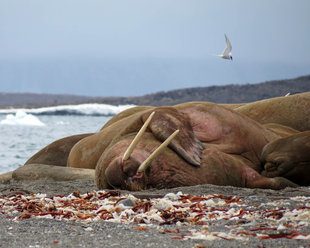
<point>134,47</point>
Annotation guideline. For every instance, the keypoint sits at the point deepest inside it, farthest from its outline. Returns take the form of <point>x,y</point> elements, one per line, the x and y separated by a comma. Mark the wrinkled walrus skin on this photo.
<point>288,157</point>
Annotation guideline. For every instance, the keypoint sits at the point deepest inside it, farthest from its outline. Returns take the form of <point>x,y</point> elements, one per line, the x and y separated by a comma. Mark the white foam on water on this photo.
<point>21,118</point>
<point>23,132</point>
<point>79,109</point>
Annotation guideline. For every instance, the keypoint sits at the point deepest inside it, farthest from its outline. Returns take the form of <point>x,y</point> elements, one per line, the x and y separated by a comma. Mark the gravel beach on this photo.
<point>272,231</point>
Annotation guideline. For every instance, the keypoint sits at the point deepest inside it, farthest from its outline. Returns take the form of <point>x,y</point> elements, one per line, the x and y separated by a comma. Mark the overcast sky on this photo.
<point>134,47</point>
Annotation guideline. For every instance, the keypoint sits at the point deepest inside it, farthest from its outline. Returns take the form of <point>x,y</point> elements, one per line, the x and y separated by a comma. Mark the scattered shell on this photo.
<point>180,209</point>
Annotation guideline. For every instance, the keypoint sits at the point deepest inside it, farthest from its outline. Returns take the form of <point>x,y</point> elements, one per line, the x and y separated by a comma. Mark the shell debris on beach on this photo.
<point>243,220</point>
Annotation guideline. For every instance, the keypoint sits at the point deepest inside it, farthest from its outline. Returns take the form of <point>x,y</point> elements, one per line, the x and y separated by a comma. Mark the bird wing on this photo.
<point>228,47</point>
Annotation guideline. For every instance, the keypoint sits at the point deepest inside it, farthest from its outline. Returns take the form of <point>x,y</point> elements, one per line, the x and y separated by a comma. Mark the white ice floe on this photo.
<point>21,118</point>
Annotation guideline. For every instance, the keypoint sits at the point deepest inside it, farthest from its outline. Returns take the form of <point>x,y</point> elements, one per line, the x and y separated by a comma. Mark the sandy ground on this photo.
<point>38,232</point>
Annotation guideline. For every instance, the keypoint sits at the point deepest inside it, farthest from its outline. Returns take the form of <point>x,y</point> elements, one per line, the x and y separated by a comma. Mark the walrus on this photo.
<point>288,157</point>
<point>168,170</point>
<point>292,111</point>
<point>214,145</point>
<point>57,152</point>
<point>211,143</point>
<point>199,122</point>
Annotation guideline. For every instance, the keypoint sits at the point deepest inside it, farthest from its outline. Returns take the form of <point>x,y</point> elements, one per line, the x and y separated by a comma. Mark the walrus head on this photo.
<point>123,174</point>
<point>143,171</point>
<point>138,151</point>
<point>128,171</point>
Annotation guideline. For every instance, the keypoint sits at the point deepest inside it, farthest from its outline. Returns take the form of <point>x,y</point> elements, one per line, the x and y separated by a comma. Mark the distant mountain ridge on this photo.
<point>218,94</point>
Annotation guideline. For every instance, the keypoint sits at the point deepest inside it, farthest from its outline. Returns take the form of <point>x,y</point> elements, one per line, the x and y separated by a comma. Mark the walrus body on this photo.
<point>288,157</point>
<point>216,144</point>
<point>292,111</point>
<point>204,122</point>
<point>57,152</point>
<point>169,170</point>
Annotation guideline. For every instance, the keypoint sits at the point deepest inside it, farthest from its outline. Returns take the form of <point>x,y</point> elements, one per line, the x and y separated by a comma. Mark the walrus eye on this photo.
<point>158,150</point>
<point>135,141</point>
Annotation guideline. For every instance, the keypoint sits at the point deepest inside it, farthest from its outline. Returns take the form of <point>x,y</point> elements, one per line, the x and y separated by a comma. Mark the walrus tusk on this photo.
<point>133,144</point>
<point>158,150</point>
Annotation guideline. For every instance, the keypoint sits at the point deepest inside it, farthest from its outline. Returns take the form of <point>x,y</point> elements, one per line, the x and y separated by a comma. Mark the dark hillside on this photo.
<point>217,94</point>
<point>221,94</point>
<point>35,100</point>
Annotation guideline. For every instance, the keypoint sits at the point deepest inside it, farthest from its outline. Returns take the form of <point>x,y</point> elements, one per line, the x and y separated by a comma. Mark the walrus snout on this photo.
<point>130,166</point>
<point>120,174</point>
<point>114,174</point>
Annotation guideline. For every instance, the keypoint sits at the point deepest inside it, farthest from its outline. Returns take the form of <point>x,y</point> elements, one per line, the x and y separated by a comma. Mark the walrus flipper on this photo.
<point>165,121</point>
<point>288,157</point>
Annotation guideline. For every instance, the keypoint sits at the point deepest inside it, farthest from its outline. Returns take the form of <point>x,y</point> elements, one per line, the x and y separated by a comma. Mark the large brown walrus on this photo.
<point>214,145</point>
<point>57,152</point>
<point>210,144</point>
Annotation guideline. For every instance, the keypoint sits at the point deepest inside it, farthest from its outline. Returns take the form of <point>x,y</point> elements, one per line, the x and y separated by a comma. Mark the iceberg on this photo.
<point>21,118</point>
<point>91,109</point>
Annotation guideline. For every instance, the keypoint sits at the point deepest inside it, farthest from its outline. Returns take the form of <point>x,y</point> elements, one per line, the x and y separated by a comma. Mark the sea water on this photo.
<point>23,134</point>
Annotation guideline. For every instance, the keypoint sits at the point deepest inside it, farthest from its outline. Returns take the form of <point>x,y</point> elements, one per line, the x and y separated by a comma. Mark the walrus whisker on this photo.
<point>133,144</point>
<point>158,150</point>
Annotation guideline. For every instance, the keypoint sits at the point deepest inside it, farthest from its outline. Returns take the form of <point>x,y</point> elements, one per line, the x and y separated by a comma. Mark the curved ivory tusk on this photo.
<point>133,144</point>
<point>159,149</point>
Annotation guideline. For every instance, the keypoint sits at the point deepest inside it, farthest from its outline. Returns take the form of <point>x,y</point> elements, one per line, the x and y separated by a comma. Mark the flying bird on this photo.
<point>227,52</point>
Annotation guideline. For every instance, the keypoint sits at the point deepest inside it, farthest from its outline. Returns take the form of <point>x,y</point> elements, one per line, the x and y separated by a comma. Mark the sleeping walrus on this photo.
<point>207,143</point>
<point>213,145</point>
